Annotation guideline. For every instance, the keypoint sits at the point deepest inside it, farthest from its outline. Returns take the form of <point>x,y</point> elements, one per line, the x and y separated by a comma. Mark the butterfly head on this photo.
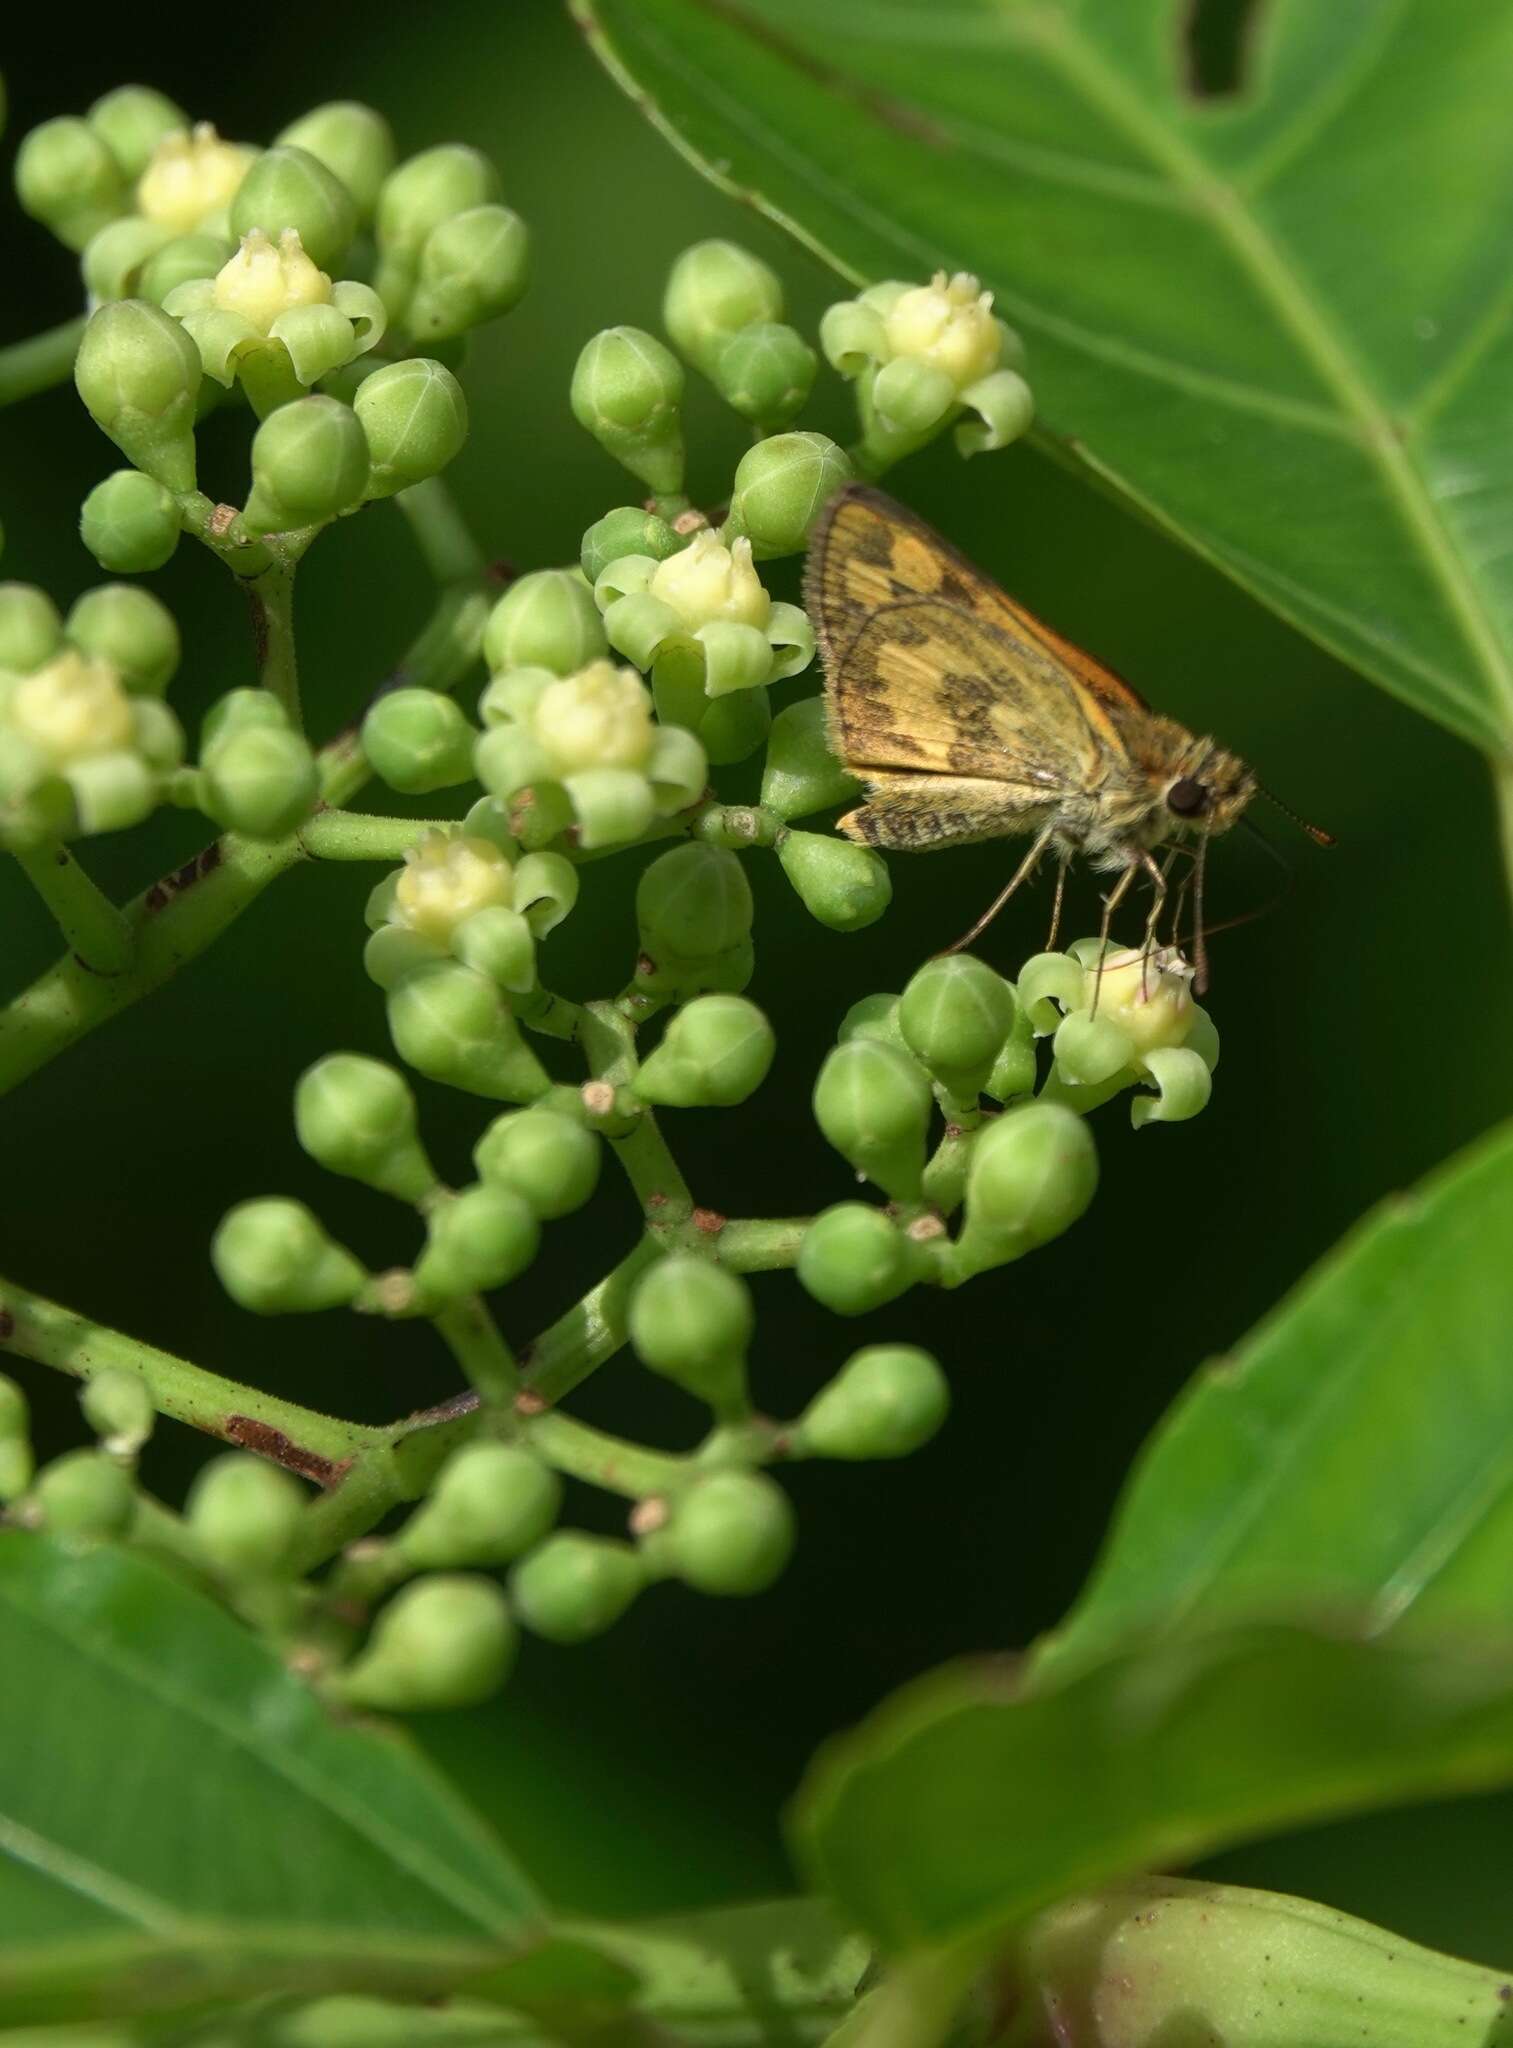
<point>1209,788</point>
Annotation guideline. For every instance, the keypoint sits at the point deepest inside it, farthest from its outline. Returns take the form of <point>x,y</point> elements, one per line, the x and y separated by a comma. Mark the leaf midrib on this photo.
<point>1264,259</point>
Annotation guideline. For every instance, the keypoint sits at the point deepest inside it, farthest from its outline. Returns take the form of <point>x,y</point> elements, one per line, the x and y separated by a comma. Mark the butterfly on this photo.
<point>968,719</point>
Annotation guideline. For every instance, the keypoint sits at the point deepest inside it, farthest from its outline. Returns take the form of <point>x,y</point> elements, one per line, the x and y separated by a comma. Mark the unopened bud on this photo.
<point>309,465</point>
<point>274,1257</point>
<point>885,1402</point>
<point>573,1586</point>
<point>132,121</point>
<point>691,1321</point>
<point>139,375</point>
<point>714,290</point>
<point>118,1408</point>
<point>491,1502</point>
<point>416,420</point>
<point>67,178</point>
<point>547,619</point>
<point>781,487</point>
<point>132,630</point>
<point>130,523</point>
<point>86,1497</point>
<point>765,373</point>
<point>715,1053</point>
<point>954,1016</point>
<point>473,268</point>
<point>418,740</point>
<point>626,391</point>
<point>289,188</point>
<point>873,1104</point>
<point>854,1258</point>
<point>1033,1172</point>
<point>845,887</point>
<point>259,779</point>
<point>245,1514</point>
<point>356,1116</point>
<point>451,1024</point>
<point>801,774</point>
<point>477,1240</point>
<point>548,1158</point>
<point>353,142</point>
<point>731,1533</point>
<point>446,1641</point>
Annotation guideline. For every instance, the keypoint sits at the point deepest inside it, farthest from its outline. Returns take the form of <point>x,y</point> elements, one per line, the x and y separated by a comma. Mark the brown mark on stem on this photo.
<point>268,1442</point>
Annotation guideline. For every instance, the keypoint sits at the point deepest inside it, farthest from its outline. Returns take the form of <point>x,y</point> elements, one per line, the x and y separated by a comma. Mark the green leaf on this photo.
<point>180,1820</point>
<point>1281,322</point>
<point>1354,1455</point>
<point>972,1799</point>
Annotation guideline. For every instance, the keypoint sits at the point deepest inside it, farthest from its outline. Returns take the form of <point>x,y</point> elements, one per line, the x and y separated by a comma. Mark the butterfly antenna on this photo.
<point>1200,936</point>
<point>1315,832</point>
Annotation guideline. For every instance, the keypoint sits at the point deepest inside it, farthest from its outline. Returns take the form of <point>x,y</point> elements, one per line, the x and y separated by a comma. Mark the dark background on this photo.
<point>1363,1023</point>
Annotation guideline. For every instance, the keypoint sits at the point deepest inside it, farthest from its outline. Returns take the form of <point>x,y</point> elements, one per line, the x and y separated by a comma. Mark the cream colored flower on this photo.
<point>448,877</point>
<point>1149,997</point>
<point>598,718</point>
<point>949,324</point>
<point>191,177</point>
<point>266,278</point>
<point>72,708</point>
<point>707,581</point>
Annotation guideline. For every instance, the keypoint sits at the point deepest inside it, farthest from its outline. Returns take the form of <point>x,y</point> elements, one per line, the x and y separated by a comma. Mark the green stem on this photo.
<point>913,2007</point>
<point>93,929</point>
<point>441,534</point>
<point>320,1447</point>
<point>591,1331</point>
<point>664,1195</point>
<point>271,597</point>
<point>39,362</point>
<point>604,1461</point>
<point>474,1339</point>
<point>761,1244</point>
<point>354,835</point>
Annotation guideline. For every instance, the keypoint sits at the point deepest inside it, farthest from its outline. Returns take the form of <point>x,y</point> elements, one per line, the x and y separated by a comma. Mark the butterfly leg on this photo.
<point>1158,874</point>
<point>1050,937</point>
<point>1025,868</point>
<point>1111,903</point>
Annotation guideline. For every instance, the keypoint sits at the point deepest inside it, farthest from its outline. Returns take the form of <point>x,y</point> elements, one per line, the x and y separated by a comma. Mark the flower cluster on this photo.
<point>924,356</point>
<point>86,742</point>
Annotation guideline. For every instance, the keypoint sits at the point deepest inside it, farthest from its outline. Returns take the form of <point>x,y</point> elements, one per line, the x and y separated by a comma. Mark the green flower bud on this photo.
<point>132,630</point>
<point>544,1156</point>
<point>418,740</point>
<point>693,903</point>
<point>473,268</point>
<point>846,887</point>
<point>139,374</point>
<point>356,1116</point>
<point>626,391</point>
<point>130,523</point>
<point>309,464</point>
<point>628,530</point>
<point>545,620</point>
<point>116,256</point>
<point>691,1321</point>
<point>31,632</point>
<point>954,1016</point>
<point>67,178</point>
<point>801,774</point>
<point>259,779</point>
<point>477,1240</point>
<point>15,1441</point>
<point>1033,1172</point>
<point>781,487</point>
<point>715,1053</point>
<point>713,291</point>
<point>446,1641</point>
<point>734,726</point>
<point>873,1103</point>
<point>854,1258</point>
<point>884,1403</point>
<point>241,711</point>
<point>180,260</point>
<point>574,1586</point>
<point>86,1496</point>
<point>353,142</point>
<point>731,1533</point>
<point>490,1503</point>
<point>416,420</point>
<point>132,121</point>
<point>872,1017</point>
<point>118,1408</point>
<point>451,1024</point>
<point>290,188</point>
<point>244,1514</point>
<point>428,189</point>
<point>274,1257</point>
<point>766,373</point>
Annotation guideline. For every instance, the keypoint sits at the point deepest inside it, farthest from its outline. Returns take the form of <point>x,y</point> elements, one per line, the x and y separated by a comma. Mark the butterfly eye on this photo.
<point>1188,799</point>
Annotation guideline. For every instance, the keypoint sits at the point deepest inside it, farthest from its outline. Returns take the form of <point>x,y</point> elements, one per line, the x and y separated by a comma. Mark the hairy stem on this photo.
<point>320,1447</point>
<point>96,933</point>
<point>608,1462</point>
<point>591,1331</point>
<point>355,835</point>
<point>39,362</point>
<point>762,1244</point>
<point>271,597</point>
<point>474,1339</point>
<point>441,534</point>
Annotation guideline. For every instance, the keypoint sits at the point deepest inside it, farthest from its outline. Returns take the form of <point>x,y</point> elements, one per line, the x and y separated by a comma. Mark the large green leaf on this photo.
<point>181,1820</point>
<point>973,1798</point>
<point>1280,321</point>
<point>1355,1453</point>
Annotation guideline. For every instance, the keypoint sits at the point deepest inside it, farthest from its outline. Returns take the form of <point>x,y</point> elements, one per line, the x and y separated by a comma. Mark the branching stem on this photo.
<point>96,933</point>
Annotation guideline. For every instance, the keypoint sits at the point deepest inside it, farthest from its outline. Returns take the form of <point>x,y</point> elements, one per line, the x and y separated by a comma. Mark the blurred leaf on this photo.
<point>1355,1454</point>
<point>1279,321</point>
<point>972,1799</point>
<point>181,1819</point>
